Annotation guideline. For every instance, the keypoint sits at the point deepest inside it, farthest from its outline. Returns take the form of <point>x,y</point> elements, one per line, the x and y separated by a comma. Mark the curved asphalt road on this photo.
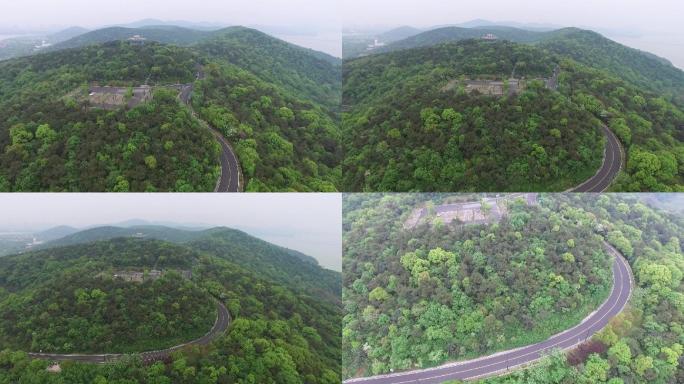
<point>502,362</point>
<point>612,163</point>
<point>220,325</point>
<point>229,181</point>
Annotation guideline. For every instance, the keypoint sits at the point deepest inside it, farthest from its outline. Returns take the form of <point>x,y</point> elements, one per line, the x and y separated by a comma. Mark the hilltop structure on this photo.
<point>137,40</point>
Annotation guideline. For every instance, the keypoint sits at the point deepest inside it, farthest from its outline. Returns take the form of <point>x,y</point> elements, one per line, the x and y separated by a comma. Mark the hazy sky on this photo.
<point>304,16</point>
<point>307,222</point>
<point>92,13</point>
<point>658,22</point>
<point>644,14</point>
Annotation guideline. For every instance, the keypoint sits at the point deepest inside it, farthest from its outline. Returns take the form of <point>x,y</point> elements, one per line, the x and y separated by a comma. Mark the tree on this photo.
<point>151,162</point>
<point>642,363</point>
<point>378,294</point>
<point>621,353</point>
<point>46,134</point>
<point>595,369</point>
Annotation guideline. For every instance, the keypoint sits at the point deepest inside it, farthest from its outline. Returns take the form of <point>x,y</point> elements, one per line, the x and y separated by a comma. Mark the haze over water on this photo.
<point>669,46</point>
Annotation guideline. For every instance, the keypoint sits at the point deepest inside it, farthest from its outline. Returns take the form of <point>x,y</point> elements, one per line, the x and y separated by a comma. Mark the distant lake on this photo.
<point>328,43</point>
<point>4,37</point>
<point>669,46</point>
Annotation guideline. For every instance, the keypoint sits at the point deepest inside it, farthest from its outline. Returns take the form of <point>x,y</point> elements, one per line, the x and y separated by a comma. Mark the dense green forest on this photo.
<point>648,125</point>
<point>405,131</point>
<point>161,34</point>
<point>277,103</point>
<point>643,69</point>
<point>280,333</point>
<point>67,301</point>
<point>645,343</point>
<point>51,141</point>
<point>416,297</point>
<point>279,264</point>
<point>311,75</point>
<point>283,143</point>
<point>411,126</point>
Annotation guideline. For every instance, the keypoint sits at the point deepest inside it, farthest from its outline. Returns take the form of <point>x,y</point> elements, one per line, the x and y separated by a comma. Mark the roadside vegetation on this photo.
<point>410,125</point>
<point>644,343</point>
<point>277,104</point>
<point>438,292</point>
<point>281,331</point>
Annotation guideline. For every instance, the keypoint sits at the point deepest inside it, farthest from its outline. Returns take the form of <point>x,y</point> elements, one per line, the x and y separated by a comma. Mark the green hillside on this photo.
<point>643,69</point>
<point>448,34</point>
<point>67,300</point>
<point>51,140</point>
<point>311,75</point>
<point>277,103</point>
<point>281,265</point>
<point>284,143</point>
<point>420,296</point>
<point>644,344</point>
<point>161,34</point>
<point>408,129</point>
<point>410,124</point>
<point>110,232</point>
<point>280,332</point>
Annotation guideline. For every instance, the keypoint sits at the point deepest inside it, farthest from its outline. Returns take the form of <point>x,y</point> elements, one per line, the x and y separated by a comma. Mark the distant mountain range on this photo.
<point>293,267</point>
<point>167,231</point>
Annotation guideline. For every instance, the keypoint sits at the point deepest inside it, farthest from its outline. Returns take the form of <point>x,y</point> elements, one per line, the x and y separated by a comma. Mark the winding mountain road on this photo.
<point>613,156</point>
<point>220,325</point>
<point>502,362</point>
<point>229,180</point>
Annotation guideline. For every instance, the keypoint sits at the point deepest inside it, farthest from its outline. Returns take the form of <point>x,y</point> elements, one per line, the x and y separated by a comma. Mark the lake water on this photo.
<point>669,46</point>
<point>328,43</point>
<point>3,37</point>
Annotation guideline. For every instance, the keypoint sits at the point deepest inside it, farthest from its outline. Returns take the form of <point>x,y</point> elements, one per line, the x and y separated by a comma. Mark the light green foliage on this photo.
<point>405,132</point>
<point>58,146</point>
<point>283,142</point>
<point>378,294</point>
<point>283,330</point>
<point>595,369</point>
<point>459,292</point>
<point>621,353</point>
<point>151,162</point>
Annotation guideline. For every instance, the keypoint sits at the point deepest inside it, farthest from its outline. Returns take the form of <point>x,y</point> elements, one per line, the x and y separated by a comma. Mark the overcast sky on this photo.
<point>303,16</point>
<point>658,21</point>
<point>307,222</point>
<point>92,13</point>
<point>645,14</point>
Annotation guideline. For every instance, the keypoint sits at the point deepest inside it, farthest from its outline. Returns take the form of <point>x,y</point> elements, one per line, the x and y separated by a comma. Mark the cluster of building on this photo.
<point>375,44</point>
<point>137,40</point>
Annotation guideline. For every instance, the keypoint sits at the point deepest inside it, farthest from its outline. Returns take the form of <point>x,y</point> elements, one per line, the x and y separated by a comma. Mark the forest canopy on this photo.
<point>411,123</point>
<point>400,314</point>
<point>281,115</point>
<point>419,296</point>
<point>281,331</point>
